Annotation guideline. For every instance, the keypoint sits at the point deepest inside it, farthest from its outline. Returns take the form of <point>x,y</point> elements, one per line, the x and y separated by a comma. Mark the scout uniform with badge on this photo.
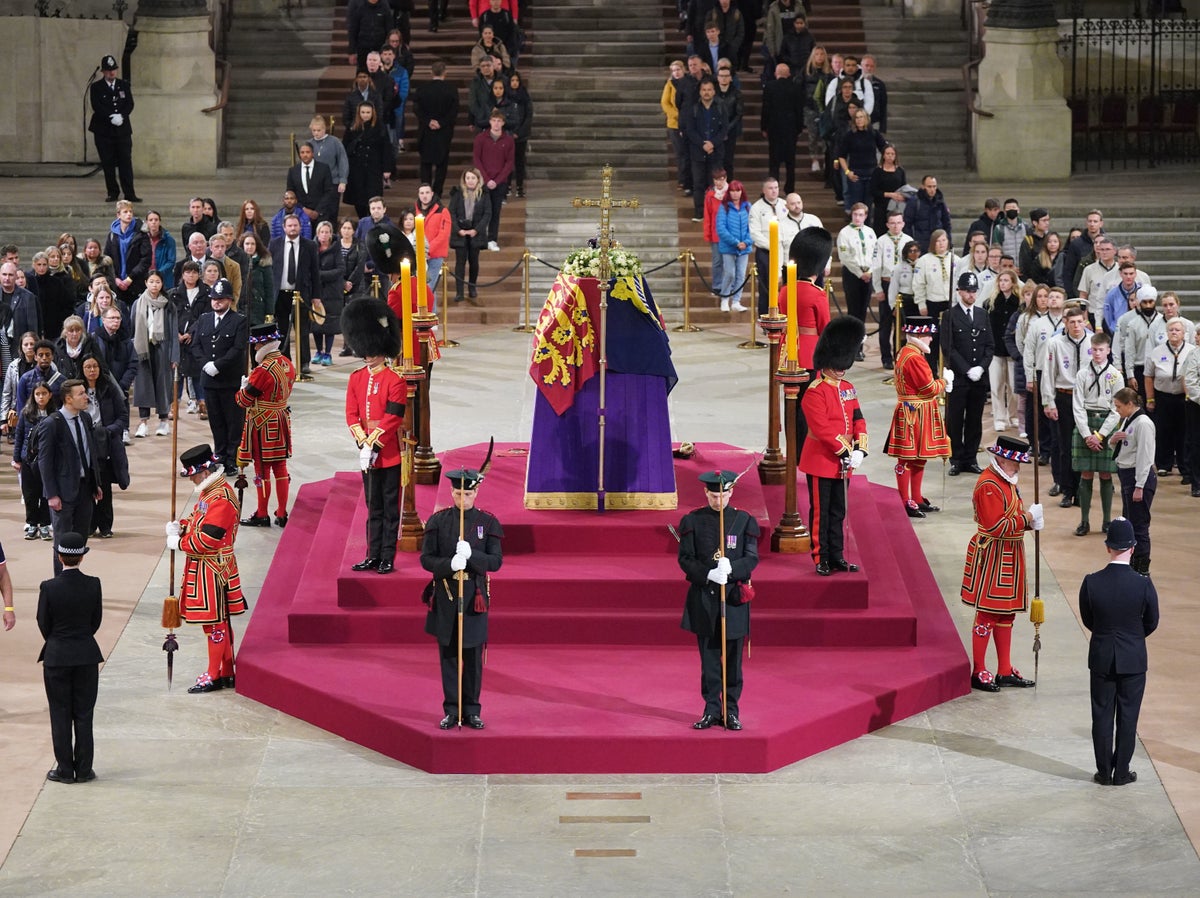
<point>994,576</point>
<point>375,413</point>
<point>836,444</point>
<point>917,432</point>
<point>712,559</point>
<point>211,589</point>
<point>461,547</point>
<point>267,433</point>
<point>1094,416</point>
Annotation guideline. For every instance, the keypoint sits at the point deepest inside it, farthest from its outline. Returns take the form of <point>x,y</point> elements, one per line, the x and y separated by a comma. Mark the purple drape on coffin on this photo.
<point>564,452</point>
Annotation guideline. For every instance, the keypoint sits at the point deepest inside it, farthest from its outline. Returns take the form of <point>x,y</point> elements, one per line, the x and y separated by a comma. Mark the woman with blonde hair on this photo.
<point>470,211</point>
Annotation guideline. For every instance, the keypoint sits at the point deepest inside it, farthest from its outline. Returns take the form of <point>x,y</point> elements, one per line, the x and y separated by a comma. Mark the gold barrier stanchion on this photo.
<point>445,341</point>
<point>752,343</point>
<point>526,328</point>
<point>687,327</point>
<point>297,310</point>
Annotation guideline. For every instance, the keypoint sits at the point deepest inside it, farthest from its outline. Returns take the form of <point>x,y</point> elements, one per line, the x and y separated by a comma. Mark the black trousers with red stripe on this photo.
<point>826,517</point>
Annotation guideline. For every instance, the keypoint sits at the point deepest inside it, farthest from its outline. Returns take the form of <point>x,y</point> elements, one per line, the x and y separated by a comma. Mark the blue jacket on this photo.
<point>733,227</point>
<point>164,260</point>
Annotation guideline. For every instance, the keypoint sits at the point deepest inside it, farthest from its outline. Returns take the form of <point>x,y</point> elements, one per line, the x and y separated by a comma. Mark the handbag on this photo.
<point>316,311</point>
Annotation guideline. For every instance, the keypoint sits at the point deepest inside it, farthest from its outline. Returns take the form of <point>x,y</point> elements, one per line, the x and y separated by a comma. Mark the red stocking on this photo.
<point>262,483</point>
<point>218,646</point>
<point>981,634</point>
<point>282,483</point>
<point>918,474</point>
<point>904,482</point>
<point>1002,625</point>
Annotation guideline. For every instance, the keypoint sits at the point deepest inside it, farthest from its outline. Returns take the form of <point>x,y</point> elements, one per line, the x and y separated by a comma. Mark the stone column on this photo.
<point>173,81</point>
<point>1028,136</point>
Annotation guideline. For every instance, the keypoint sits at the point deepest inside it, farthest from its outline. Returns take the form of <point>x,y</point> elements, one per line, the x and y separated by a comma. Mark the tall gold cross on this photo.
<point>606,204</point>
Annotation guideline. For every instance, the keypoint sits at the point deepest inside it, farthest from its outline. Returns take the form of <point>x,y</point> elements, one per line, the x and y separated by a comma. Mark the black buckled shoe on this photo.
<point>385,567</point>
<point>913,511</point>
<point>984,682</point>
<point>367,564</point>
<point>473,721</point>
<point>204,684</point>
<point>705,722</point>
<point>823,569</point>
<point>841,564</point>
<point>227,682</point>
<point>448,721</point>
<point>257,521</point>
<point>281,521</point>
<point>732,722</point>
<point>1014,679</point>
<point>926,506</point>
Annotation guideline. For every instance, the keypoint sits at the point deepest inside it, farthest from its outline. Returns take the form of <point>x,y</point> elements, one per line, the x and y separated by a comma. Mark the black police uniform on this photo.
<point>114,143</point>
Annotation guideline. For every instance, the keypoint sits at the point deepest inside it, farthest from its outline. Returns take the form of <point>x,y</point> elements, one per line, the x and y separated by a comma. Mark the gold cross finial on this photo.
<point>606,204</point>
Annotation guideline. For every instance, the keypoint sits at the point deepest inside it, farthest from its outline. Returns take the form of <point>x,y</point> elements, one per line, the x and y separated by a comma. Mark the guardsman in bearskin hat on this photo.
<point>837,441</point>
<point>917,433</point>
<point>389,248</point>
<point>375,414</point>
<point>712,560</point>
<point>810,250</point>
<point>994,579</point>
<point>212,589</point>
<point>460,549</point>
<point>267,433</point>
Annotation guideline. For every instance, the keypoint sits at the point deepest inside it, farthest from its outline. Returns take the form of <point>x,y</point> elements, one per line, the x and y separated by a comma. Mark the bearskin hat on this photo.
<point>387,245</point>
<point>839,343</point>
<point>810,250</point>
<point>371,328</point>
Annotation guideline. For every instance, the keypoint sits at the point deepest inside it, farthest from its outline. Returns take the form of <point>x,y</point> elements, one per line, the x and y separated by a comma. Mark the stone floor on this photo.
<point>216,795</point>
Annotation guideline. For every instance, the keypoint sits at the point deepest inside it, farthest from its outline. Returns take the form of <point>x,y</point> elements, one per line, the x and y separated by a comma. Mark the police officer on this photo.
<point>711,560</point>
<point>112,101</point>
<point>967,350</point>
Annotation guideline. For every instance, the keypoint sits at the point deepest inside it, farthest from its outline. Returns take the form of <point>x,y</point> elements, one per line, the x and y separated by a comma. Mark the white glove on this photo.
<point>365,458</point>
<point>856,458</point>
<point>173,542</point>
<point>458,563</point>
<point>716,575</point>
<point>117,119</point>
<point>948,377</point>
<point>210,368</point>
<point>245,381</point>
<point>973,374</point>
<point>724,565</point>
<point>463,548</point>
<point>173,528</point>
<point>1037,515</point>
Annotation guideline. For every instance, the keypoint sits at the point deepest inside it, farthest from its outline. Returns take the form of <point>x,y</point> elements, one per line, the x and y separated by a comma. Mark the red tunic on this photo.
<point>211,571</point>
<point>994,577</point>
<point>835,426</point>
<point>267,435</point>
<point>812,310</point>
<point>395,301</point>
<point>918,430</point>
<point>375,403</point>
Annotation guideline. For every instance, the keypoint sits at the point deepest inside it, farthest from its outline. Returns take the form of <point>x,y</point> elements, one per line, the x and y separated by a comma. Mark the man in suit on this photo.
<point>782,119</point>
<point>436,106</point>
<point>967,348</point>
<point>312,182</point>
<point>68,614</point>
<point>221,337</point>
<point>1120,607</point>
<point>22,305</point>
<point>112,101</point>
<point>69,463</point>
<point>296,269</point>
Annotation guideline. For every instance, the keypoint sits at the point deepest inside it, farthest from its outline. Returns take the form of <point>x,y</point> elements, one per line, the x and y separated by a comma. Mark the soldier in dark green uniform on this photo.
<point>444,555</point>
<point>699,539</point>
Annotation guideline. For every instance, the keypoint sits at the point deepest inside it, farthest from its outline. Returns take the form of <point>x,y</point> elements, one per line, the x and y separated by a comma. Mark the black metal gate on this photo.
<point>1133,87</point>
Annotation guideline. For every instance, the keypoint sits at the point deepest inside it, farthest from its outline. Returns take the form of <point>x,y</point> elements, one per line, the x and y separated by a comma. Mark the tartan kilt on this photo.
<point>1083,458</point>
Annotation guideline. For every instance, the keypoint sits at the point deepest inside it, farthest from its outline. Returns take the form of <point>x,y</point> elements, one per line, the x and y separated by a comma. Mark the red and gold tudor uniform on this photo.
<point>211,589</point>
<point>917,433</point>
<point>994,574</point>
<point>375,414</point>
<point>267,433</point>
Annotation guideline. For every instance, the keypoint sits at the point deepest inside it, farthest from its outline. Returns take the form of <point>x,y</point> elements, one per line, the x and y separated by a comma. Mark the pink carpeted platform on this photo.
<point>588,670</point>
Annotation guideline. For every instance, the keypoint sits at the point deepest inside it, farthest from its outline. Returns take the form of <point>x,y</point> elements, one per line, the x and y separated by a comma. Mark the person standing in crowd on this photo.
<point>109,413</point>
<point>470,212</point>
<point>129,248</point>
<point>494,155</point>
<point>994,576</point>
<point>375,413</point>
<point>1135,442</point>
<point>836,442</point>
<point>766,207</point>
<point>1121,610</point>
<point>367,25</point>
<point>327,307</point>
<point>211,591</point>
<point>967,347</point>
<point>41,404</point>
<point>70,609</point>
<point>436,106</point>
<point>1095,418</point>
<point>162,248</point>
<point>371,156</point>
<point>296,269</point>
<point>1002,375</point>
<point>69,462</point>
<point>267,434</point>
<point>221,337</point>
<point>518,95</point>
<point>438,228</point>
<point>258,296</point>
<point>714,197</point>
<point>112,102</point>
<point>706,129</point>
<point>889,252</point>
<point>330,150</point>
<point>917,433</point>
<point>718,565</point>
<point>856,250</point>
<point>155,344</point>
<point>925,213</point>
<point>735,243</point>
<point>675,135</point>
<point>461,547</point>
<point>316,194</point>
<point>729,95</point>
<point>1167,399</point>
<point>1066,353</point>
<point>856,158</point>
